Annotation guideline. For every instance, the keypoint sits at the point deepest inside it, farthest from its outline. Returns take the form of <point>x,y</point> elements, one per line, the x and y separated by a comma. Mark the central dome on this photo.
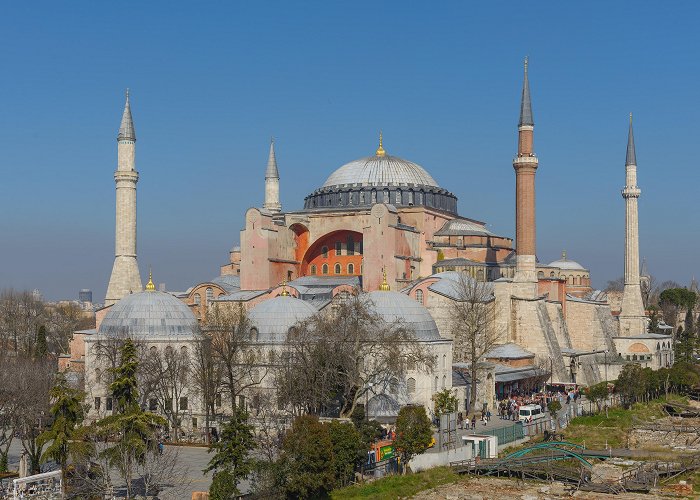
<point>380,171</point>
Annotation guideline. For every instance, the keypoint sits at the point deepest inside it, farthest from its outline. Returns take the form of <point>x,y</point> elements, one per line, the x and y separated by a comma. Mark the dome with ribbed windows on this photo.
<point>396,307</point>
<point>273,318</point>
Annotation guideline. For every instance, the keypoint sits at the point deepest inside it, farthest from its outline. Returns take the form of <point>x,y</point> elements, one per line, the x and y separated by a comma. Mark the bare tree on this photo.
<point>616,285</point>
<point>334,358</point>
<point>233,346</point>
<point>21,314</point>
<point>61,321</point>
<point>473,325</point>
<point>164,476</point>
<point>206,378</point>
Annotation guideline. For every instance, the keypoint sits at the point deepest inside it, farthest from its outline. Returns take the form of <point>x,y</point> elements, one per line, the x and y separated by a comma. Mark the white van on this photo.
<point>528,413</point>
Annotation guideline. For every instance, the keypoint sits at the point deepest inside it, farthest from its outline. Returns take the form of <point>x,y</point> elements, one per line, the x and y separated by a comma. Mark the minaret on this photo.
<point>125,273</point>
<point>525,165</point>
<point>272,182</point>
<point>633,321</point>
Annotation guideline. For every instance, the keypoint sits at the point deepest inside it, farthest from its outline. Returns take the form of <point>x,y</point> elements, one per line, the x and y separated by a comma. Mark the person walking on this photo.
<point>474,421</point>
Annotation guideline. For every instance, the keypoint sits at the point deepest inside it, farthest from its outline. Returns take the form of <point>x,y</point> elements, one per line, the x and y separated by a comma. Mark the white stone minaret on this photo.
<point>633,321</point>
<point>272,183</point>
<point>125,277</point>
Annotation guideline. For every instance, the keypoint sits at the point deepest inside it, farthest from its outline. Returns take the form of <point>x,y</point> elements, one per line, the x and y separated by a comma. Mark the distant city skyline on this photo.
<point>209,87</point>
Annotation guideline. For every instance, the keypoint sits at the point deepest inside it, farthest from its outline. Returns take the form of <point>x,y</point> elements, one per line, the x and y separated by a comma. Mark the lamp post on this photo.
<point>606,367</point>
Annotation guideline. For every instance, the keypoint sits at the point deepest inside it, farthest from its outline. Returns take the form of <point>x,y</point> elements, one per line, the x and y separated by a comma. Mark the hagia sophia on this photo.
<point>381,226</point>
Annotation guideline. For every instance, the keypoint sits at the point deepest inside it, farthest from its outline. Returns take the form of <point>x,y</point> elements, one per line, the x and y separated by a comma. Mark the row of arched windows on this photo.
<point>349,248</point>
<point>337,269</point>
<point>209,297</point>
<point>570,280</point>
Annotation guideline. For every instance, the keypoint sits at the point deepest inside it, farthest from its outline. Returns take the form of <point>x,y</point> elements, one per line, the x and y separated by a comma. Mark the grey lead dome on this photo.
<point>147,315</point>
<point>380,171</point>
<point>396,306</point>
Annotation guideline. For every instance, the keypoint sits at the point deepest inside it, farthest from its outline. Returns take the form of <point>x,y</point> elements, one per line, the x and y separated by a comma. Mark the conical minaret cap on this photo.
<point>126,129</point>
<point>272,172</point>
<point>525,103</point>
<point>631,154</point>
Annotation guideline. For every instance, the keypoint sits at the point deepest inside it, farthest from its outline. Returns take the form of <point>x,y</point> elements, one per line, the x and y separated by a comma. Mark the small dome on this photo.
<point>274,317</point>
<point>393,306</point>
<point>380,171</point>
<point>149,314</point>
<point>564,263</point>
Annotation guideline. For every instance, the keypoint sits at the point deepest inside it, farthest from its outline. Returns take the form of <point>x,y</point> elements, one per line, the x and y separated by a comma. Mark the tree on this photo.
<point>554,406</point>
<point>68,412</point>
<point>473,325</point>
<point>674,300</point>
<point>232,452</point>
<point>235,349</point>
<point>206,377</point>
<point>334,360</point>
<point>41,350</point>
<point>133,430</point>
<point>413,432</point>
<point>653,319</point>
<point>307,458</point>
<point>616,285</point>
<point>445,402</point>
<point>598,394</point>
<point>630,384</point>
<point>21,314</point>
<point>348,451</point>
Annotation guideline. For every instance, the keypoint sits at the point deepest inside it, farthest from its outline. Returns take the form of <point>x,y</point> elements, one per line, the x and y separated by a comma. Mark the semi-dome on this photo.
<point>380,171</point>
<point>567,264</point>
<point>395,306</point>
<point>149,314</point>
<point>274,317</point>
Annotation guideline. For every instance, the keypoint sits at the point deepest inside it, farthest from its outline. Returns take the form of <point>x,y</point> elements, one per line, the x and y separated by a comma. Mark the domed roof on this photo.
<point>149,314</point>
<point>380,170</point>
<point>393,306</point>
<point>274,317</point>
<point>564,263</point>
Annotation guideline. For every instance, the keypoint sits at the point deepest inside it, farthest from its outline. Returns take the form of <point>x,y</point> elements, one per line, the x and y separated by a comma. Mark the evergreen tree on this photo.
<point>133,429</point>
<point>348,451</point>
<point>445,402</point>
<point>413,432</point>
<point>68,413</point>
<point>41,350</point>
<point>231,462</point>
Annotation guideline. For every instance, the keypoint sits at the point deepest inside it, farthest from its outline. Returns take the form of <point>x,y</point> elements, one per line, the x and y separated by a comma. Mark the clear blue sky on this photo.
<point>212,81</point>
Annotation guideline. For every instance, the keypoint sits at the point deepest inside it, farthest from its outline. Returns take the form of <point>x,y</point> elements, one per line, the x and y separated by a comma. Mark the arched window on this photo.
<point>552,275</point>
<point>578,280</point>
<point>394,385</point>
<point>419,296</point>
<point>350,245</point>
<point>374,196</point>
<point>480,275</point>
<point>337,269</point>
<point>410,197</point>
<point>411,385</point>
<point>338,248</point>
<point>351,269</point>
<point>291,333</point>
<point>324,251</point>
<point>324,269</point>
<point>313,269</point>
<point>386,196</point>
<point>154,349</point>
<point>398,197</point>
<point>444,361</point>
<point>169,351</point>
<point>435,384</point>
<point>570,279</point>
<point>210,294</point>
<point>362,197</point>
<point>254,334</point>
<point>444,381</point>
<point>197,299</point>
<point>183,351</point>
<point>540,275</point>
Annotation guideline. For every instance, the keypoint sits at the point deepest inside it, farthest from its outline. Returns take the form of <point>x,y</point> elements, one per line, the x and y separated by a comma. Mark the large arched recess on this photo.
<point>349,260</point>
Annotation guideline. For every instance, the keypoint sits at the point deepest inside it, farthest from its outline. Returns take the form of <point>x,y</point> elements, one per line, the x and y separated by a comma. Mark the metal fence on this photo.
<point>507,434</point>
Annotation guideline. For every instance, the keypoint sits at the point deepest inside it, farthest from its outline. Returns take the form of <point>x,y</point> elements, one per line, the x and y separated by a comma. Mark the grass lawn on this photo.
<point>596,430</point>
<point>393,487</point>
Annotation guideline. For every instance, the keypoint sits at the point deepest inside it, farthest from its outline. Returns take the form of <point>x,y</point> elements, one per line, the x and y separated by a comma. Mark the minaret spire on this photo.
<point>525,165</point>
<point>272,182</point>
<point>632,316</point>
<point>125,277</point>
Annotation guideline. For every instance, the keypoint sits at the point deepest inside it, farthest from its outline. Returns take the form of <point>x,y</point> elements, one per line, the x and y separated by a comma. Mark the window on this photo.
<point>435,384</point>
<point>444,361</point>
<point>338,248</point>
<point>411,385</point>
<point>398,197</point>
<point>183,351</point>
<point>480,275</point>
<point>98,403</point>
<point>337,269</point>
<point>217,400</point>
<point>350,245</point>
<point>254,334</point>
<point>394,385</point>
<point>551,275</point>
<point>324,252</point>
<point>386,196</point>
<point>351,269</point>
<point>152,405</point>
<point>210,294</point>
<point>411,364</point>
<point>540,275</point>
<point>241,402</point>
<point>109,404</point>
<point>168,404</point>
<point>374,197</point>
<point>289,276</point>
<point>313,269</point>
<point>197,299</point>
<point>444,381</point>
<point>324,269</point>
<point>183,403</point>
<point>194,422</point>
<point>360,243</point>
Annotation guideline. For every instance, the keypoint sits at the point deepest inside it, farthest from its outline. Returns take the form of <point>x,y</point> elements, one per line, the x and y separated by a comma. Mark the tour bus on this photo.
<point>528,413</point>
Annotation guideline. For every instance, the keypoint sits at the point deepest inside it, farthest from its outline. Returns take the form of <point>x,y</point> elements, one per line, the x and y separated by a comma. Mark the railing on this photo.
<point>507,435</point>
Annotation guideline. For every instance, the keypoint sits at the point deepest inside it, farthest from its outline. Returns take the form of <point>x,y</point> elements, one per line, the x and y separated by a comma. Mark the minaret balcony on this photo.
<point>531,159</point>
<point>631,192</point>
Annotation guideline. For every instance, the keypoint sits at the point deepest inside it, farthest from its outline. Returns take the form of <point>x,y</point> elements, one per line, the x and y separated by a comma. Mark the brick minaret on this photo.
<point>272,182</point>
<point>632,318</point>
<point>125,273</point>
<point>525,165</point>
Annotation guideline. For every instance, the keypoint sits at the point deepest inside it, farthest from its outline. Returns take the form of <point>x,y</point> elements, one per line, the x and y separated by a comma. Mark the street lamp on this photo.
<point>606,367</point>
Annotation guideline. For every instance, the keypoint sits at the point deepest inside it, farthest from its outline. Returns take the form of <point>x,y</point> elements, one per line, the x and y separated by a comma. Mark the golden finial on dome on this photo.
<point>285,292</point>
<point>384,287</point>
<point>150,287</point>
<point>563,255</point>
<point>380,150</point>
